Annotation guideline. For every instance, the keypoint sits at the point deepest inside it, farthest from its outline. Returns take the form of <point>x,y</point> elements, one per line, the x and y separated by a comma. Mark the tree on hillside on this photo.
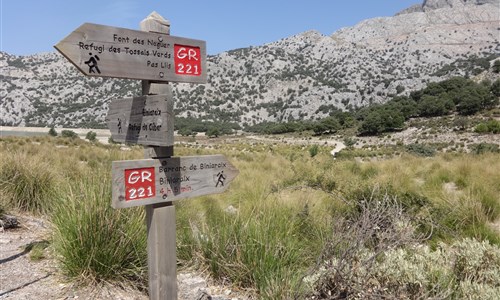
<point>326,125</point>
<point>495,88</point>
<point>381,120</point>
<point>496,66</point>
<point>372,124</point>
<point>407,107</point>
<point>213,132</point>
<point>432,106</point>
<point>473,98</point>
<point>184,131</point>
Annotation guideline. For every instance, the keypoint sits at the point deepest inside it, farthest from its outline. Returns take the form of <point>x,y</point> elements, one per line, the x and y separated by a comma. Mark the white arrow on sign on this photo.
<point>151,181</point>
<point>98,50</point>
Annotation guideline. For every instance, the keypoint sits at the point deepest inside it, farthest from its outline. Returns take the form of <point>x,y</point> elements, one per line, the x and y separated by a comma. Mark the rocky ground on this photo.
<point>28,270</point>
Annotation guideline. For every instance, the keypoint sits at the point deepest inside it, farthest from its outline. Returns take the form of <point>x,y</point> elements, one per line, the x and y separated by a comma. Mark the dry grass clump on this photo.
<point>95,242</point>
<point>27,183</point>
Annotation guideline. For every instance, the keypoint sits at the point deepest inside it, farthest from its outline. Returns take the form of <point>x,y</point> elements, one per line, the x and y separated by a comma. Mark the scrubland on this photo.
<point>296,223</point>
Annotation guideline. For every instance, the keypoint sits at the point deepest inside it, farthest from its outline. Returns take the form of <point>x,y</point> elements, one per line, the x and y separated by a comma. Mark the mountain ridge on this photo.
<point>288,79</point>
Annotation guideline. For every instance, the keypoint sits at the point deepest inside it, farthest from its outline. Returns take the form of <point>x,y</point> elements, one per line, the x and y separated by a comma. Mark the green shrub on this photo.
<point>313,150</point>
<point>69,134</point>
<point>185,131</point>
<point>481,128</point>
<point>52,131</point>
<point>485,148</point>
<point>91,136</point>
<point>420,149</point>
<point>349,141</point>
<point>213,132</point>
<point>467,269</point>
<point>491,126</point>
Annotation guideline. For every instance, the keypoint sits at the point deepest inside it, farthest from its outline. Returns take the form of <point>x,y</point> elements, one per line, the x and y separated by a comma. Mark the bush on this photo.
<point>421,150</point>
<point>491,126</point>
<point>375,253</point>
<point>375,225</point>
<point>431,106</point>
<point>349,141</point>
<point>91,136</point>
<point>381,120</point>
<point>185,131</point>
<point>496,66</point>
<point>69,134</point>
<point>326,125</point>
<point>485,148</point>
<point>461,123</point>
<point>313,150</point>
<point>213,132</point>
<point>52,131</point>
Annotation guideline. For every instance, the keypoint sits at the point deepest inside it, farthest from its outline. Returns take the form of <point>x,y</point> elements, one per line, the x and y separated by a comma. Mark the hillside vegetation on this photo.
<point>457,95</point>
<point>292,79</point>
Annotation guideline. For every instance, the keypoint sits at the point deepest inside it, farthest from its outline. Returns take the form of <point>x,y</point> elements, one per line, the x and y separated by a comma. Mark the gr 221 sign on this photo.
<point>151,181</point>
<point>187,60</point>
<point>105,51</point>
<point>139,183</point>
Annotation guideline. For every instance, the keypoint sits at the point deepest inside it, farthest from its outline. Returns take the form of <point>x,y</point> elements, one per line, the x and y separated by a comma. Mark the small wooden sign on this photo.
<point>140,120</point>
<point>151,181</point>
<point>98,50</point>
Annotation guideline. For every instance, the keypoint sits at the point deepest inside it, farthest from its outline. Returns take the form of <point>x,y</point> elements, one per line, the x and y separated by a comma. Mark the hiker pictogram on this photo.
<point>119,125</point>
<point>220,179</point>
<point>92,63</point>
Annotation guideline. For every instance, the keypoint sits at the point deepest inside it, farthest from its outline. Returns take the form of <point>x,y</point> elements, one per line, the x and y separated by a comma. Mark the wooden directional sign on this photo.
<point>98,50</point>
<point>151,181</point>
<point>140,120</point>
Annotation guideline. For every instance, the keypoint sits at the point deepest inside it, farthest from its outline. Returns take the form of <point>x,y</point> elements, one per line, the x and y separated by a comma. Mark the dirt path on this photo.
<point>337,145</point>
<point>22,277</point>
<point>338,148</point>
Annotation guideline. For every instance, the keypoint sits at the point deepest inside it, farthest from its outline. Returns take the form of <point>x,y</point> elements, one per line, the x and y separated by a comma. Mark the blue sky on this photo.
<point>32,26</point>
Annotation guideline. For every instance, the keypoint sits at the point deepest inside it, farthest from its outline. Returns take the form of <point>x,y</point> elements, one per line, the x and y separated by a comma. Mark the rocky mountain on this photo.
<point>299,77</point>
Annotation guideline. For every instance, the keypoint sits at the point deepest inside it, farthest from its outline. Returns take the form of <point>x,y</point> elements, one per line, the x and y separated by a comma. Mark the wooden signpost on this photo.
<point>144,120</point>
<point>156,58</point>
<point>98,50</point>
<point>151,181</point>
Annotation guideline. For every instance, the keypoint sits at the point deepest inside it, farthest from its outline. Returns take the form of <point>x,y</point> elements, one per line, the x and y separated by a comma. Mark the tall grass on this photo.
<point>95,242</point>
<point>262,250</point>
<point>27,183</point>
<point>259,236</point>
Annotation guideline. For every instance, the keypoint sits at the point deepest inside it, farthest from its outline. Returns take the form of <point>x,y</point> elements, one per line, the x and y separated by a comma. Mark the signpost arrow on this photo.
<point>152,181</point>
<point>141,120</point>
<point>98,50</point>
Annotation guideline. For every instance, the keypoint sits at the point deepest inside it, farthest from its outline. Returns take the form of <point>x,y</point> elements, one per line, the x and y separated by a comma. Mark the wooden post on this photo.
<point>160,218</point>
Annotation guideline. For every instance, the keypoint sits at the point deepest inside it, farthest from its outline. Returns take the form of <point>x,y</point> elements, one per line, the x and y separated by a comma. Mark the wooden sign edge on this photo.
<point>166,143</point>
<point>142,163</point>
<point>202,79</point>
